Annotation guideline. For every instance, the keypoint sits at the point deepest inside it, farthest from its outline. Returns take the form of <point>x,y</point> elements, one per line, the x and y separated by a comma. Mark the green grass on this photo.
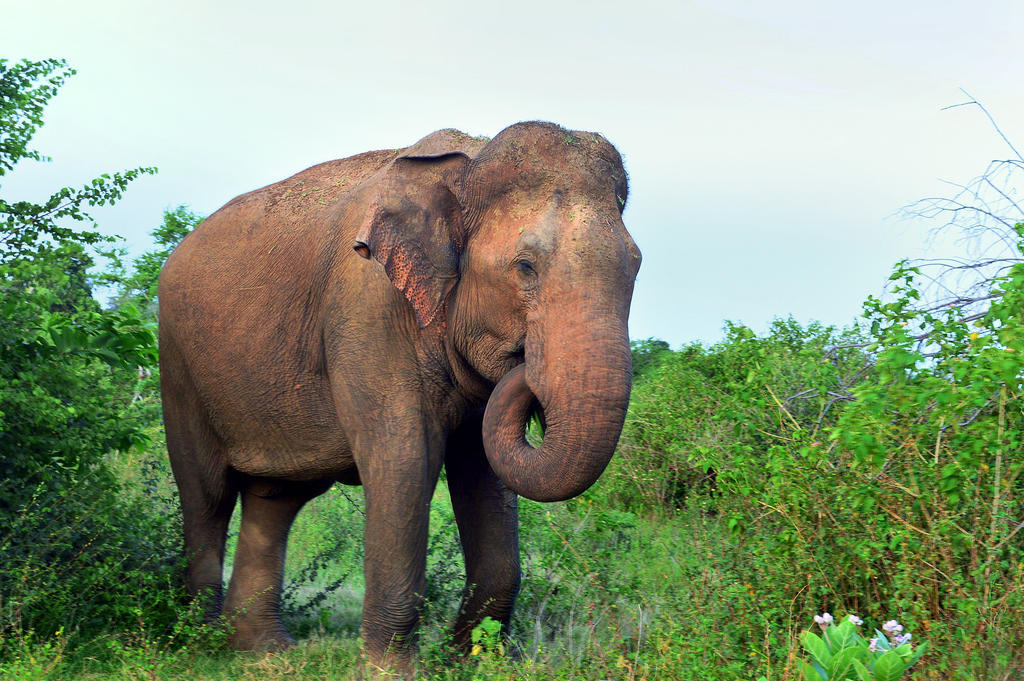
<point>606,594</point>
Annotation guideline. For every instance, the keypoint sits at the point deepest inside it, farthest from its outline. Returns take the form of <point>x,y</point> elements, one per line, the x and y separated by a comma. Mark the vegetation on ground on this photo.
<point>760,481</point>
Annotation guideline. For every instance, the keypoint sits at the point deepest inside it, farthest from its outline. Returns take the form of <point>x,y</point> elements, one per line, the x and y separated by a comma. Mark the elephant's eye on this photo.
<point>526,268</point>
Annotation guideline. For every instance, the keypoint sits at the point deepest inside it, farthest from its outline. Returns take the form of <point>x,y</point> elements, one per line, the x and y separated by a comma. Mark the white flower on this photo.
<point>892,627</point>
<point>823,620</point>
<point>874,645</point>
<point>902,638</point>
<point>856,620</point>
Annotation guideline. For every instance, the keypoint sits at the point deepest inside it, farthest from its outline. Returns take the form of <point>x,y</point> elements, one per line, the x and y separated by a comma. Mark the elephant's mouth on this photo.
<point>510,360</point>
<point>536,422</point>
<point>516,356</point>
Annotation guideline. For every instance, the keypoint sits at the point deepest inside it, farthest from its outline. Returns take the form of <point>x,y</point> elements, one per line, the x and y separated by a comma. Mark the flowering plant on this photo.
<point>842,653</point>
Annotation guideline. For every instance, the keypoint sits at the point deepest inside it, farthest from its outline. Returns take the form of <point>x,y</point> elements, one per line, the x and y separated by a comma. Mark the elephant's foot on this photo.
<point>390,666</point>
<point>268,638</point>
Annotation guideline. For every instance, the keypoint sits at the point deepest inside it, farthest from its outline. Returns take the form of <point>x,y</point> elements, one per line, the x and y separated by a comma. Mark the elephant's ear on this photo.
<point>414,229</point>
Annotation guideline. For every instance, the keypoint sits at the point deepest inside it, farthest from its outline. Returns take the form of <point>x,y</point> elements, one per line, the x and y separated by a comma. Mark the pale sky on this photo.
<point>768,143</point>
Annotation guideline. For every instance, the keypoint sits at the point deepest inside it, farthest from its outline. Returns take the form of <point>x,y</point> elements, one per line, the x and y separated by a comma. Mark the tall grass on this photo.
<point>606,594</point>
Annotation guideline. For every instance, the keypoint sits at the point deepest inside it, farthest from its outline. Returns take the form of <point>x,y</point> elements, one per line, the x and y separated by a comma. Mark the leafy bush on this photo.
<point>842,653</point>
<point>934,438</point>
<point>875,476</point>
<point>80,555</point>
<point>135,285</point>
<point>691,407</point>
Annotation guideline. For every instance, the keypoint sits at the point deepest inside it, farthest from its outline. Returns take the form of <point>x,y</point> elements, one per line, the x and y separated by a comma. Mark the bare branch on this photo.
<point>978,104</point>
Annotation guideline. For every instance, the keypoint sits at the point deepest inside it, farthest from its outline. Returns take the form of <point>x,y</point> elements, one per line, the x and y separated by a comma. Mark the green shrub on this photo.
<point>877,477</point>
<point>692,407</point>
<point>80,555</point>
<point>841,652</point>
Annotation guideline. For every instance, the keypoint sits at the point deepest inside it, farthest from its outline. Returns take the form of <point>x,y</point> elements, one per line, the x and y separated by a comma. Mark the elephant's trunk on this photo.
<point>583,392</point>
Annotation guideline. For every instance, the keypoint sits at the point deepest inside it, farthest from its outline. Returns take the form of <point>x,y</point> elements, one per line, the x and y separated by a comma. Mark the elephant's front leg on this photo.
<point>487,514</point>
<point>399,474</point>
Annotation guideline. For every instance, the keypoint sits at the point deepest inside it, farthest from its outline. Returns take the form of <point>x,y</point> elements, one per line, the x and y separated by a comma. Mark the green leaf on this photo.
<point>817,648</point>
<point>839,636</point>
<point>842,663</point>
<point>916,655</point>
<point>809,673</point>
<point>862,672</point>
<point>889,667</point>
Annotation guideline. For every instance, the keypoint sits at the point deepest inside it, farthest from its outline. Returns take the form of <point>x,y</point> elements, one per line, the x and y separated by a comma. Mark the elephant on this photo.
<point>372,319</point>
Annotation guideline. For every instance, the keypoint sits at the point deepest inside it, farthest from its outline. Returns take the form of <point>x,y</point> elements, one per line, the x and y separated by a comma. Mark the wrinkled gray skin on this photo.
<point>352,323</point>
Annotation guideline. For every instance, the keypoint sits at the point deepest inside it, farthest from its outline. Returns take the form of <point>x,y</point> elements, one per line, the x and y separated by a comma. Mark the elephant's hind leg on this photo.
<point>487,514</point>
<point>254,594</point>
<point>204,482</point>
<point>206,518</point>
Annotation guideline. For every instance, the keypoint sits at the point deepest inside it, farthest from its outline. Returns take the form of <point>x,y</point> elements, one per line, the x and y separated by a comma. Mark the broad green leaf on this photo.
<point>842,663</point>
<point>817,648</point>
<point>809,673</point>
<point>862,672</point>
<point>889,667</point>
<point>840,635</point>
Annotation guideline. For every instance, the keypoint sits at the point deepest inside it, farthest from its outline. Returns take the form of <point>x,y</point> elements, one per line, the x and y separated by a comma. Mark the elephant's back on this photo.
<point>275,234</point>
<point>317,185</point>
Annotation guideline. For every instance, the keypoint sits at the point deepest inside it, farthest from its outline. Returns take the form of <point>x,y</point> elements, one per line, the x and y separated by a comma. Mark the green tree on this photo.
<point>54,334</point>
<point>29,228</point>
<point>691,407</point>
<point>647,355</point>
<point>73,551</point>
<point>136,287</point>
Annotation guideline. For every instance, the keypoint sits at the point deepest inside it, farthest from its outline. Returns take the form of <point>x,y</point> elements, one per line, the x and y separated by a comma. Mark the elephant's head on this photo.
<point>518,246</point>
